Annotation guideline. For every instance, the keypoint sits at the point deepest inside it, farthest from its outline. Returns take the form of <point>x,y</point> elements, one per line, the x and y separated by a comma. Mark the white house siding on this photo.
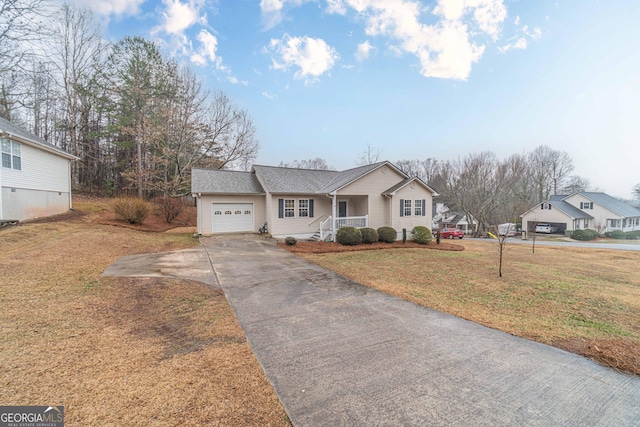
<point>41,188</point>
<point>296,226</point>
<point>600,215</point>
<point>538,215</point>
<point>373,184</point>
<point>205,203</point>
<point>407,193</point>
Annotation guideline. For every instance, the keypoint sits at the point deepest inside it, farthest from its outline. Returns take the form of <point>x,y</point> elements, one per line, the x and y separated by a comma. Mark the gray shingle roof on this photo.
<point>290,180</point>
<point>569,209</point>
<point>6,127</point>
<point>224,182</point>
<point>348,176</point>
<point>611,203</point>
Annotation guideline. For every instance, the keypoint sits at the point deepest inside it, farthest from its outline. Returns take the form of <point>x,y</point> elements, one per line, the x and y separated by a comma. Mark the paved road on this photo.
<point>340,353</point>
<point>543,242</point>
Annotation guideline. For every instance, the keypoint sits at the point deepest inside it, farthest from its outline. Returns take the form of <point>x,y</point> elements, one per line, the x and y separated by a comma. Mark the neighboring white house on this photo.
<point>446,218</point>
<point>304,202</point>
<point>35,176</point>
<point>585,210</point>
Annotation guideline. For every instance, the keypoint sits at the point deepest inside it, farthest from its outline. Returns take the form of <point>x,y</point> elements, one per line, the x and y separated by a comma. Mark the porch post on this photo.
<point>334,204</point>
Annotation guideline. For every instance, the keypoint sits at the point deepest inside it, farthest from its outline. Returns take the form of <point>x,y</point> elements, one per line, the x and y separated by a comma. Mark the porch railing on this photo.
<point>347,221</point>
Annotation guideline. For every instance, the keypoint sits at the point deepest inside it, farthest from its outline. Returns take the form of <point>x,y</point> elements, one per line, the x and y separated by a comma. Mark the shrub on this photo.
<point>131,209</point>
<point>387,234</point>
<point>349,236</point>
<point>290,241</point>
<point>584,234</point>
<point>369,235</point>
<point>633,235</point>
<point>421,234</point>
<point>615,234</point>
<point>168,207</point>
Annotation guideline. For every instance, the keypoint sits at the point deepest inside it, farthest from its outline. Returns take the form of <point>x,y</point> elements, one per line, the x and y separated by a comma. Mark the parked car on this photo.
<point>546,228</point>
<point>450,233</point>
<point>507,229</point>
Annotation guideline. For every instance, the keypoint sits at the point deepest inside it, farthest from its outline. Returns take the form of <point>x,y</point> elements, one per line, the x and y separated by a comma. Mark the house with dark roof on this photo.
<point>35,176</point>
<point>305,202</point>
<point>585,210</point>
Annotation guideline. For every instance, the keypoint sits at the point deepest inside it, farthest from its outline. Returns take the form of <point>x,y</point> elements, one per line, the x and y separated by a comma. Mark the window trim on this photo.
<point>12,152</point>
<point>303,211</point>
<point>289,208</point>
<point>408,207</point>
<point>418,210</point>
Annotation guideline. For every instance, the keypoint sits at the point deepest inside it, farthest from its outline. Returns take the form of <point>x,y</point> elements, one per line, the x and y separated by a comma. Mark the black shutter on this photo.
<point>401,207</point>
<point>280,208</point>
<point>424,208</point>
<point>310,208</point>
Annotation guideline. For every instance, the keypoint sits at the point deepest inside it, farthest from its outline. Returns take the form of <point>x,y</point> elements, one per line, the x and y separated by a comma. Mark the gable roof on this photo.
<point>569,209</point>
<point>280,180</point>
<point>12,131</point>
<point>224,182</point>
<point>611,203</point>
<point>391,191</point>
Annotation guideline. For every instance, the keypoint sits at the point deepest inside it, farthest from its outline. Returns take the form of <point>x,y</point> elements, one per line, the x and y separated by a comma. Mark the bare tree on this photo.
<point>576,184</point>
<point>369,156</point>
<point>549,169</point>
<point>635,192</point>
<point>317,164</point>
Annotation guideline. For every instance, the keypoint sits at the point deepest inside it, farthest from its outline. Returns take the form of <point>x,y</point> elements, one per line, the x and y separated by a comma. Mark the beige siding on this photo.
<point>538,215</point>
<point>205,222</point>
<point>599,214</point>
<point>413,194</point>
<point>373,185</point>
<point>297,225</point>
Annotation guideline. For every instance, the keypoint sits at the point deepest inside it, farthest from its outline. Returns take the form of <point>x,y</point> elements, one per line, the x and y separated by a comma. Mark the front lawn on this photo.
<point>120,351</point>
<point>583,300</point>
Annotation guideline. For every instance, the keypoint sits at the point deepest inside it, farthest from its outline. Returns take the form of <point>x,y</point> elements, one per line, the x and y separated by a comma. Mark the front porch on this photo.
<point>329,227</point>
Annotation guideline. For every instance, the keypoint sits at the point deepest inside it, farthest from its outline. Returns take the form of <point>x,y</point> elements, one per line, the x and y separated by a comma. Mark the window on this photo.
<point>303,208</point>
<point>227,212</point>
<point>614,223</point>
<point>11,155</point>
<point>586,223</point>
<point>546,206</point>
<point>217,213</point>
<point>407,208</point>
<point>238,212</point>
<point>247,212</point>
<point>418,208</point>
<point>289,208</point>
<point>586,205</point>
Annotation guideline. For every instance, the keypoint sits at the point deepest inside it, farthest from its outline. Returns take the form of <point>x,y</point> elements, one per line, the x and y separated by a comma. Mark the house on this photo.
<point>445,218</point>
<point>584,210</point>
<point>304,202</point>
<point>35,177</point>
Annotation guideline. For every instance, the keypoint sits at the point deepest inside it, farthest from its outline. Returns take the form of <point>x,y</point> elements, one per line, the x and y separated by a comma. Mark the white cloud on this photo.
<point>520,44</point>
<point>179,16</point>
<point>272,11</point>
<point>269,95</point>
<point>336,6</point>
<point>363,51</point>
<point>444,48</point>
<point>111,7</point>
<point>313,57</point>
<point>208,47</point>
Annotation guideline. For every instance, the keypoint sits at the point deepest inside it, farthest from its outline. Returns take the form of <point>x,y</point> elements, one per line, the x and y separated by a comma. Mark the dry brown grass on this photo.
<point>118,351</point>
<point>583,300</point>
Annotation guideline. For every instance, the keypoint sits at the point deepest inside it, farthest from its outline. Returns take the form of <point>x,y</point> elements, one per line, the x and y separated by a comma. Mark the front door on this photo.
<point>342,208</point>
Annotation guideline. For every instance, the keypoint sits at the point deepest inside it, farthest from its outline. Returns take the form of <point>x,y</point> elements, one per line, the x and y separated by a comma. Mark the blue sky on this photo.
<point>416,79</point>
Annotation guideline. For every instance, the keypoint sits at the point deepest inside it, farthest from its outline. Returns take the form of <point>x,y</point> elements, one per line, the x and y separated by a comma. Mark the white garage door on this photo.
<point>232,217</point>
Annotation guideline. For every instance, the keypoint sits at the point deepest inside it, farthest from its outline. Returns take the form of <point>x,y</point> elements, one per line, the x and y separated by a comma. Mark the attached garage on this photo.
<point>232,217</point>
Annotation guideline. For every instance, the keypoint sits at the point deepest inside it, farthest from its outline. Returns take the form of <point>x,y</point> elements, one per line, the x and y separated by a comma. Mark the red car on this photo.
<point>450,233</point>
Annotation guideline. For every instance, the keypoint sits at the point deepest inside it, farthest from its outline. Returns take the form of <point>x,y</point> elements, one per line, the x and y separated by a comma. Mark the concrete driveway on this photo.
<point>340,353</point>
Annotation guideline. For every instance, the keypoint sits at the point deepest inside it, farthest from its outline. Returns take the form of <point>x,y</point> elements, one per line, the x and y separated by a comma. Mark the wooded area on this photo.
<point>136,119</point>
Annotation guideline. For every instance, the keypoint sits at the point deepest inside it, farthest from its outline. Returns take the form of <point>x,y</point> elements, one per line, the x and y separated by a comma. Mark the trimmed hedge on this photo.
<point>349,236</point>
<point>584,234</point>
<point>421,234</point>
<point>387,234</point>
<point>131,209</point>
<point>369,235</point>
<point>615,234</point>
<point>618,234</point>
